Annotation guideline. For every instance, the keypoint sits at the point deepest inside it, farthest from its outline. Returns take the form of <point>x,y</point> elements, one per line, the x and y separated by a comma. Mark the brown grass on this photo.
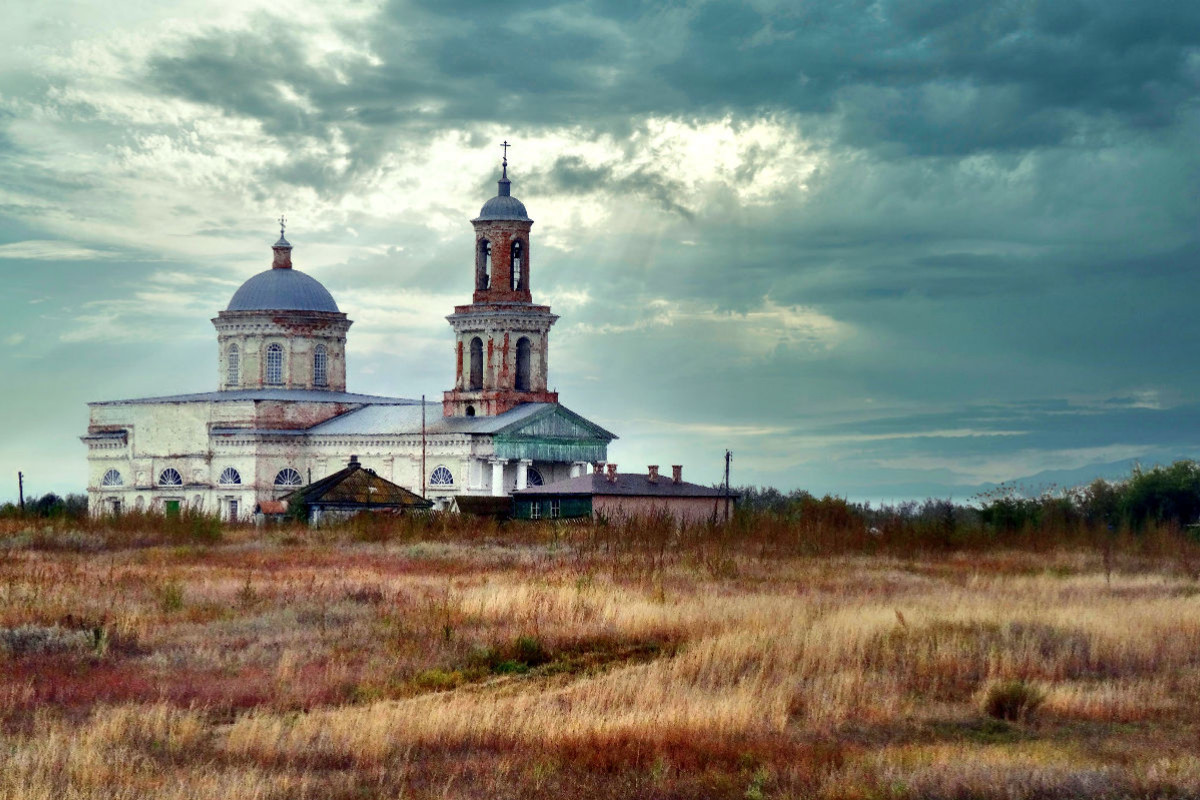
<point>453,660</point>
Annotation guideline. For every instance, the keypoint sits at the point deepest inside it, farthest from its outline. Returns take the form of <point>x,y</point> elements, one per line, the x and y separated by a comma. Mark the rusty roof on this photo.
<point>637,484</point>
<point>357,487</point>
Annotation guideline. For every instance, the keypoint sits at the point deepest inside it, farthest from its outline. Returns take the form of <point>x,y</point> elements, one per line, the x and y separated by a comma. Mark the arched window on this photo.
<point>470,411</point>
<point>275,364</point>
<point>483,268</point>
<point>112,478</point>
<point>441,477</point>
<point>523,364</point>
<point>170,477</point>
<point>230,477</point>
<point>233,364</point>
<point>140,503</point>
<point>533,477</point>
<point>288,477</point>
<point>476,363</point>
<point>518,265</point>
<point>320,366</point>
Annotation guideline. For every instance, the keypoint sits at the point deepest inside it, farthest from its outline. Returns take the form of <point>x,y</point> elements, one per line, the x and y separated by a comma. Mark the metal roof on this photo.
<point>399,419</point>
<point>241,395</point>
<point>282,290</point>
<point>628,483</point>
<point>503,207</point>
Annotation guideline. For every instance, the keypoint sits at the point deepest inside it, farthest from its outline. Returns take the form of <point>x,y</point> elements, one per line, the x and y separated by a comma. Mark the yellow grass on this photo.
<point>362,670</point>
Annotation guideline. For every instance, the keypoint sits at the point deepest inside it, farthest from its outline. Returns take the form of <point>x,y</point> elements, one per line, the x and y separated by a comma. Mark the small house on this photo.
<point>611,494</point>
<point>351,491</point>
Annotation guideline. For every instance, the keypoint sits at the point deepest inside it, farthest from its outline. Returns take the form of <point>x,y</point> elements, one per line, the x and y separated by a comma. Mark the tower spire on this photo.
<point>505,183</point>
<point>282,248</point>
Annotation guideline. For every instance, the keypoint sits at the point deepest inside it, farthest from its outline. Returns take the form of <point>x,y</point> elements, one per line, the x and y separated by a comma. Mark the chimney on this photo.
<point>598,468</point>
<point>653,476</point>
<point>677,473</point>
<point>353,462</point>
<point>612,473</point>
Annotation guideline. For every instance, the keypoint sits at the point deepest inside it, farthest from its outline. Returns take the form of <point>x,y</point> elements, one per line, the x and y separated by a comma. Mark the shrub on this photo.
<point>1013,701</point>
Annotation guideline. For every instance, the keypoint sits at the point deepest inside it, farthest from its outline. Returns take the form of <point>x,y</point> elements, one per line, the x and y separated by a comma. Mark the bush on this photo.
<point>1013,701</point>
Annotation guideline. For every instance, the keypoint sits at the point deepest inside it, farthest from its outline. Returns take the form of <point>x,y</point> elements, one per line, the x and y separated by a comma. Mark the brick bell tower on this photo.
<point>502,338</point>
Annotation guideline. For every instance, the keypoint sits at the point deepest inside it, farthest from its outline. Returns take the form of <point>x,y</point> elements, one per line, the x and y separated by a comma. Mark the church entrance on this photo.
<point>171,507</point>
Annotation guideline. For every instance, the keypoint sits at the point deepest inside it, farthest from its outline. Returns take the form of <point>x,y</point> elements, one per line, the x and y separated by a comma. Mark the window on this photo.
<point>441,477</point>
<point>555,509</point>
<point>112,478</point>
<point>533,478</point>
<point>523,348</point>
<point>139,503</point>
<point>230,477</point>
<point>470,411</point>
<point>275,364</point>
<point>476,364</point>
<point>320,368</point>
<point>288,477</point>
<point>169,477</point>
<point>483,268</point>
<point>518,266</point>
<point>233,365</point>
<point>535,510</point>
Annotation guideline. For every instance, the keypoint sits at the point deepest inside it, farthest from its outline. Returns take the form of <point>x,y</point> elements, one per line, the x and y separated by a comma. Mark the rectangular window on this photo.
<point>555,509</point>
<point>535,510</point>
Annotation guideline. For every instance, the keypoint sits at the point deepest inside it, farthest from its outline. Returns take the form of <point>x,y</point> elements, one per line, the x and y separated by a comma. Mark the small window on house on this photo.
<point>288,477</point>
<point>441,477</point>
<point>535,510</point>
<point>234,365</point>
<point>470,411</point>
<point>275,364</point>
<point>518,266</point>
<point>523,349</point>
<point>555,509</point>
<point>476,364</point>
<point>533,478</point>
<point>483,276</point>
<point>170,477</point>
<point>320,366</point>
<point>112,478</point>
<point>230,477</point>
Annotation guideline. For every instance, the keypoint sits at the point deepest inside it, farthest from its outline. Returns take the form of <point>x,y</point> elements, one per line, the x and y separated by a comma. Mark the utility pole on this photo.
<point>21,490</point>
<point>422,447</point>
<point>728,458</point>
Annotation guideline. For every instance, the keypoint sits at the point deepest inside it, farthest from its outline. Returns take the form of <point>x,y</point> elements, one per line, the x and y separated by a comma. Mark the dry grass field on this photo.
<point>531,662</point>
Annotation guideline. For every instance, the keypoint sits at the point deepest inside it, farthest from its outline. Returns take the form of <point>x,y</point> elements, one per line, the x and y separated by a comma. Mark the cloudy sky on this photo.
<point>879,249</point>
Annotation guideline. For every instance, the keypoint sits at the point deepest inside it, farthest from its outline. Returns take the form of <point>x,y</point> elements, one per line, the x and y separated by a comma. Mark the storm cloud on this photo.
<point>878,248</point>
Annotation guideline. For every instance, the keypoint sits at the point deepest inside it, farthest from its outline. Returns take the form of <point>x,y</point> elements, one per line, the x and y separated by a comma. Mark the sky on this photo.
<point>882,250</point>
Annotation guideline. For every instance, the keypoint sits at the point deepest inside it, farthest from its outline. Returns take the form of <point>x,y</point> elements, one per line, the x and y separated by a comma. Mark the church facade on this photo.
<point>282,417</point>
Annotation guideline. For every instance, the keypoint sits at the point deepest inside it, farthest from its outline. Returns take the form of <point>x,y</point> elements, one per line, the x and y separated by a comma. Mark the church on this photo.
<point>282,417</point>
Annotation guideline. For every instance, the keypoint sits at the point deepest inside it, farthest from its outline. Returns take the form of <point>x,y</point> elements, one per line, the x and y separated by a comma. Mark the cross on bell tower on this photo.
<point>502,336</point>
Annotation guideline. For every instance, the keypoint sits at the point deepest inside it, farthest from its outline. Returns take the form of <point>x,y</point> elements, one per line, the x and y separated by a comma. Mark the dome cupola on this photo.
<point>282,330</point>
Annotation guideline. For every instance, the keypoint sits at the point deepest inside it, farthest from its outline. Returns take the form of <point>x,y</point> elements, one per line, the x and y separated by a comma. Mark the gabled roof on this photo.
<point>406,418</point>
<point>356,487</point>
<point>627,483</point>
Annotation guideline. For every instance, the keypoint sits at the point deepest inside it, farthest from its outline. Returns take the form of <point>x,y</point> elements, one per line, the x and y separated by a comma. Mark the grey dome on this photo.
<point>503,206</point>
<point>282,290</point>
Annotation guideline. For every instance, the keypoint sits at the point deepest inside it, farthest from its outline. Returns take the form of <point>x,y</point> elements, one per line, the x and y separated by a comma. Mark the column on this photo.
<point>523,466</point>
<point>498,477</point>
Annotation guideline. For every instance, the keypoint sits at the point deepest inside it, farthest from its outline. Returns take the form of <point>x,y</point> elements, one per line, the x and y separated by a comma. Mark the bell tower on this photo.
<point>502,338</point>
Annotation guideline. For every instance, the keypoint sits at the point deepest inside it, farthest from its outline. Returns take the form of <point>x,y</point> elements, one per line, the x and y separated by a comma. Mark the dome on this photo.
<point>503,206</point>
<point>282,290</point>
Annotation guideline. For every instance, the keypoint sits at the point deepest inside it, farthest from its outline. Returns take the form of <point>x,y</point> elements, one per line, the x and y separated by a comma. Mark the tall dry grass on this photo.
<point>606,661</point>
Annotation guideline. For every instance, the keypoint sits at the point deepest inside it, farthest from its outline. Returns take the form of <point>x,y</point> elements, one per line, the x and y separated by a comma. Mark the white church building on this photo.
<point>282,416</point>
